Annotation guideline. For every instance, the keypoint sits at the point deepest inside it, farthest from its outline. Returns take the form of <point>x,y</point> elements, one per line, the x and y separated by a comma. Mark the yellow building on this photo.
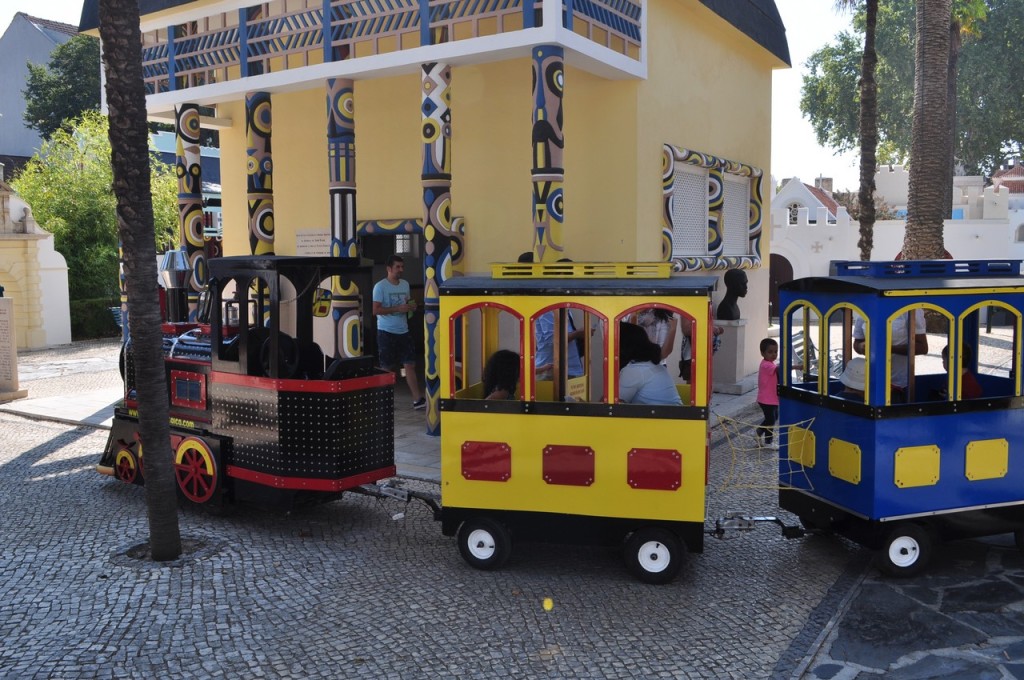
<point>462,133</point>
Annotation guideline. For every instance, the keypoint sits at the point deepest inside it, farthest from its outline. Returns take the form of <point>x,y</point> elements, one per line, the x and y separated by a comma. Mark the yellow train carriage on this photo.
<point>563,458</point>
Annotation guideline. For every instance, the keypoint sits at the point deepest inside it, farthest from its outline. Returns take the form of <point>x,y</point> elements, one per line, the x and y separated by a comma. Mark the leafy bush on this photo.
<point>68,183</point>
<point>92,318</point>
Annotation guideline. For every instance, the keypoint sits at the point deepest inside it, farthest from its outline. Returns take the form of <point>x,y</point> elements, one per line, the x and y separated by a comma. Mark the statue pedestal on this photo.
<point>728,362</point>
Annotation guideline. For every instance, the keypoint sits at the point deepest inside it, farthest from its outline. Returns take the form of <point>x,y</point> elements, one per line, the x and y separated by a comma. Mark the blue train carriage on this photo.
<point>258,412</point>
<point>561,458</point>
<point>929,447</point>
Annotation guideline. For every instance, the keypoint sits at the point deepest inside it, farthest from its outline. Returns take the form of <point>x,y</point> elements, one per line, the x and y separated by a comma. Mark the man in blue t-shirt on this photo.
<point>393,306</point>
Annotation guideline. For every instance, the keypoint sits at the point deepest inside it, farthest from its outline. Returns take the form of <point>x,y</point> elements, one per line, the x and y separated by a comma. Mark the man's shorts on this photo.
<point>394,349</point>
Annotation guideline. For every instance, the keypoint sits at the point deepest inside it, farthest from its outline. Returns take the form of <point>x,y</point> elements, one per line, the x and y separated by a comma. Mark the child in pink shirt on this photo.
<point>767,393</point>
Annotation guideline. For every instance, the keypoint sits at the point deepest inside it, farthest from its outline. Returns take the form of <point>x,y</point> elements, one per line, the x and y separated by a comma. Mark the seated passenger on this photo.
<point>501,375</point>
<point>969,386</point>
<point>853,380</point>
<point>642,378</point>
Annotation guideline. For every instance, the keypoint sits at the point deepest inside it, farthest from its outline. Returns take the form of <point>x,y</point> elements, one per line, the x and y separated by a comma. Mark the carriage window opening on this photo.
<point>846,369</point>
<point>987,365</point>
<point>671,353</point>
<point>800,353</point>
<point>486,355</point>
<point>567,346</point>
<point>914,356</point>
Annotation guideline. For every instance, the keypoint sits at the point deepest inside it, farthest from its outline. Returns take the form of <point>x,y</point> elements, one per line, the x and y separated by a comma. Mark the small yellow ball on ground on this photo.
<point>549,604</point>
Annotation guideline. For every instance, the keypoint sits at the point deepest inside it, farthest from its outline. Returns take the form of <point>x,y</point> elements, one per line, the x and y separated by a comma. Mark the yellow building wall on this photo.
<point>708,89</point>
<point>388,160</point>
<point>492,109</point>
<point>20,277</point>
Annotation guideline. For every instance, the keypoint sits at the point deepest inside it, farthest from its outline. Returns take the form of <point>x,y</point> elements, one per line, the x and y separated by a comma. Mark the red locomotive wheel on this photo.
<point>195,470</point>
<point>126,468</point>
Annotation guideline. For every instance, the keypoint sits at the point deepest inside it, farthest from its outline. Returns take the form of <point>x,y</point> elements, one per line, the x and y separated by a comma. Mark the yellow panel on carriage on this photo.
<point>987,459</point>
<point>600,467</point>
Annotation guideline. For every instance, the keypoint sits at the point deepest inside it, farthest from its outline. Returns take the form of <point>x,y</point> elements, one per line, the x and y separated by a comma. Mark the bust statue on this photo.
<point>735,288</point>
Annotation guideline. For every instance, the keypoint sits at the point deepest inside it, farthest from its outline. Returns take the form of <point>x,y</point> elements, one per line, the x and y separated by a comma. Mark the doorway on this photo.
<point>378,247</point>
<point>780,271</point>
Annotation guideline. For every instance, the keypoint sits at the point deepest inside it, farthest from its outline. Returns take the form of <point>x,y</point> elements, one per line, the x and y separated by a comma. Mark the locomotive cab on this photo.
<point>258,411</point>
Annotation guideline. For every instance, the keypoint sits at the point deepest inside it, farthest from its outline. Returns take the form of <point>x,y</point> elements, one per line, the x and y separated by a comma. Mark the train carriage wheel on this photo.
<point>654,555</point>
<point>484,543</point>
<point>906,550</point>
<point>126,467</point>
<point>195,470</point>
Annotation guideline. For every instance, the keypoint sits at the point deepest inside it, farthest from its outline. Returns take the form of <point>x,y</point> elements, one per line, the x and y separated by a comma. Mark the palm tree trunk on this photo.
<point>129,142</point>
<point>923,238</point>
<point>868,133</point>
<point>951,75</point>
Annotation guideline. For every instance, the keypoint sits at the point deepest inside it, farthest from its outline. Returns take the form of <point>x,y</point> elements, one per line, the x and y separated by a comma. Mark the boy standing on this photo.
<point>768,393</point>
<point>392,307</point>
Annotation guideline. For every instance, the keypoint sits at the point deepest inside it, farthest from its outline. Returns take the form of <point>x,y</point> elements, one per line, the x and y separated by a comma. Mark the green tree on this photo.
<point>66,87</point>
<point>989,85</point>
<point>68,183</point>
<point>129,142</point>
<point>925,208</point>
<point>867,122</point>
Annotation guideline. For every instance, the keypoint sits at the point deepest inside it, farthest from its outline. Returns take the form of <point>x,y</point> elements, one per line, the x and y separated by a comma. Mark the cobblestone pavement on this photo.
<point>347,590</point>
<point>370,588</point>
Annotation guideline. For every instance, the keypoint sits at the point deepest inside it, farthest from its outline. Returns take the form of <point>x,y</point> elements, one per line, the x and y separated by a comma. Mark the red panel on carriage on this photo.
<point>486,461</point>
<point>655,469</point>
<point>569,465</point>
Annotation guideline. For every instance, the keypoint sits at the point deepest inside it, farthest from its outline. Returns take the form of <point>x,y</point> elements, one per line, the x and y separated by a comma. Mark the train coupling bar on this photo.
<point>738,521</point>
<point>390,488</point>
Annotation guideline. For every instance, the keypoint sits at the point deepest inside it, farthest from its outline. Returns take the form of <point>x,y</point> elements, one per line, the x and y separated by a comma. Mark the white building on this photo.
<point>27,39</point>
<point>987,223</point>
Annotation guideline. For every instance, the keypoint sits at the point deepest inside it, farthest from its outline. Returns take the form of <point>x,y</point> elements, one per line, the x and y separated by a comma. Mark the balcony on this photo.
<point>254,47</point>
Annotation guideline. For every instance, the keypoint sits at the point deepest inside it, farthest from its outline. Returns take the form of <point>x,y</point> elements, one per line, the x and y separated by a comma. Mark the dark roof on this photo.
<point>1011,178</point>
<point>758,19</point>
<point>46,24</point>
<point>91,10</point>
<point>824,198</point>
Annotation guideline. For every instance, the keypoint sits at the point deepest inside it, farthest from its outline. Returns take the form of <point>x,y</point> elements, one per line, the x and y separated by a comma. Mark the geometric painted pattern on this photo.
<point>442,245</point>
<point>259,173</point>
<point>548,145</point>
<point>341,192</point>
<point>717,171</point>
<point>212,48</point>
<point>190,199</point>
<point>620,16</point>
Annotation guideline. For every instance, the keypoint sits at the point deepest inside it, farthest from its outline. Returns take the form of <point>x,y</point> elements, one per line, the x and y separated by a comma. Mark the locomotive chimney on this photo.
<point>174,274</point>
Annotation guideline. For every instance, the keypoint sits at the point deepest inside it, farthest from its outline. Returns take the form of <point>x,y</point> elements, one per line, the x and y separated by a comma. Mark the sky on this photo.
<point>810,24</point>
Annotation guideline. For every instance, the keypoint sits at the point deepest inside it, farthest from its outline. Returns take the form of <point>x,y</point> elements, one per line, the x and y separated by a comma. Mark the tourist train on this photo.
<point>259,411</point>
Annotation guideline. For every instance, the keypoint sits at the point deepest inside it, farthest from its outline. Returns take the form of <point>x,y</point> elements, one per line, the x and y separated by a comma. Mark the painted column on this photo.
<point>443,246</point>
<point>190,199</point>
<point>259,173</point>
<point>548,143</point>
<point>341,188</point>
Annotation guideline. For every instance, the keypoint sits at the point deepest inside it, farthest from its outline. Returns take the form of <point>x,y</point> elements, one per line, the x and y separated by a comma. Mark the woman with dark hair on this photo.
<point>501,375</point>
<point>642,378</point>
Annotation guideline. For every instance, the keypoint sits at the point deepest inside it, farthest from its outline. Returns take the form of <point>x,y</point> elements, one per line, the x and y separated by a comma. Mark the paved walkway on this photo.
<point>369,588</point>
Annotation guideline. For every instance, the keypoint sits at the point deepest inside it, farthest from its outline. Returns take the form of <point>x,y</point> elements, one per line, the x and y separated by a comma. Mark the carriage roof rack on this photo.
<point>581,270</point>
<point>926,268</point>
